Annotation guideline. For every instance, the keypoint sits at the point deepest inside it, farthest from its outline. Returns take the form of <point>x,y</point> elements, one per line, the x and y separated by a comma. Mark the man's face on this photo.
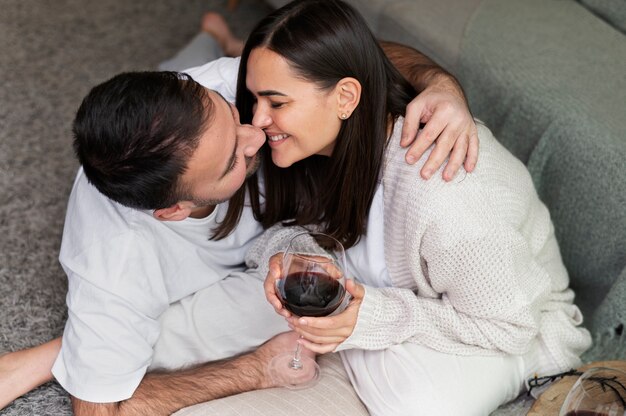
<point>226,155</point>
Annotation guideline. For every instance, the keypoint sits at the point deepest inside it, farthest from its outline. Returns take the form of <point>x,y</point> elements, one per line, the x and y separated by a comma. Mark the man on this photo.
<point>149,288</point>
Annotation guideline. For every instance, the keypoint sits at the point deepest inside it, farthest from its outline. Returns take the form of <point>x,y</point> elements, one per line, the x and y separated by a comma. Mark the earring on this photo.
<point>343,116</point>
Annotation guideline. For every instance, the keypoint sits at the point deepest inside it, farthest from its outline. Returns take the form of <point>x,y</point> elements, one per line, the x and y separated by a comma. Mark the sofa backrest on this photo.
<point>612,11</point>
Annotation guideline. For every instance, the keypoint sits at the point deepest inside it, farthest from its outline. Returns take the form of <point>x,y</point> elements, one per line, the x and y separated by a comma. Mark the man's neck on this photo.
<point>202,212</point>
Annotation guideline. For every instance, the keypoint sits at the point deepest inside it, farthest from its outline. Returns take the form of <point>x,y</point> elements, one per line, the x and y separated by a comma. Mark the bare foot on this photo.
<point>22,371</point>
<point>215,25</point>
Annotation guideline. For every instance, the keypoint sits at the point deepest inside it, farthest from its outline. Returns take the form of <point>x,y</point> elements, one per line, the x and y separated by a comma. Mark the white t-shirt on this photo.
<point>125,268</point>
<point>366,260</point>
<point>219,75</point>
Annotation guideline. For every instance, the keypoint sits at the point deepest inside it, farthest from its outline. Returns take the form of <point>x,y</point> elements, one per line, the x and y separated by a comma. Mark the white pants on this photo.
<point>226,319</point>
<point>413,380</point>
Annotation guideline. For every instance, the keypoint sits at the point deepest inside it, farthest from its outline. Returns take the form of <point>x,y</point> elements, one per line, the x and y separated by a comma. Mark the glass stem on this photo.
<point>296,364</point>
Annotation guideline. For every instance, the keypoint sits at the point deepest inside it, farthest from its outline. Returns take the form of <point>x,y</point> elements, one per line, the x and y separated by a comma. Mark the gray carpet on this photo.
<point>51,53</point>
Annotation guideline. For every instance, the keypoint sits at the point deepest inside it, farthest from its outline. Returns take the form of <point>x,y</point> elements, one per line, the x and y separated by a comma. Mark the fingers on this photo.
<point>328,329</point>
<point>269,286</point>
<point>448,123</point>
<point>460,143</point>
<point>412,121</point>
<point>318,338</point>
<point>330,267</point>
<point>333,270</point>
<point>445,127</point>
<point>356,290</point>
<point>320,330</point>
<point>332,325</point>
<point>425,138</point>
<point>324,334</point>
<point>318,348</point>
<point>456,158</point>
<point>283,342</point>
<point>472,151</point>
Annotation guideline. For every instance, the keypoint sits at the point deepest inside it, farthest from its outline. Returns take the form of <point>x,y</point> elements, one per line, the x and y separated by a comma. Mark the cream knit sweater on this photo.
<point>475,266</point>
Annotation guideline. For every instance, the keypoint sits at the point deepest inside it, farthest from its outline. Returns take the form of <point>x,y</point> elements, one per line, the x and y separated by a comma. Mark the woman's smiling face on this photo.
<point>299,119</point>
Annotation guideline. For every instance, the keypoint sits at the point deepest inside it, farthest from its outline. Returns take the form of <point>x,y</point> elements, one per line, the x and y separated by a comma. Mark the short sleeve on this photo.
<point>219,75</point>
<point>115,296</point>
<point>107,345</point>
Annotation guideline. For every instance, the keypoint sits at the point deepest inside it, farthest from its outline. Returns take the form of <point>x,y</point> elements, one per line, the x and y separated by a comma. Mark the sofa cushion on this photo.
<point>332,396</point>
<point>613,11</point>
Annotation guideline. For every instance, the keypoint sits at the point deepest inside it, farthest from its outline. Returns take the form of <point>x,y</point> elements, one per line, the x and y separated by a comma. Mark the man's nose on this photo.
<point>253,139</point>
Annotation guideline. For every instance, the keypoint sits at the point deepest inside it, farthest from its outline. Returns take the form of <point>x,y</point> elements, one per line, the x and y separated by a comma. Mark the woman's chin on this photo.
<point>280,162</point>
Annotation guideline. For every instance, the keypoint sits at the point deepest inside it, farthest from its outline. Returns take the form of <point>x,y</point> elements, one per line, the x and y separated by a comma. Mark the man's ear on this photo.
<point>348,96</point>
<point>177,212</point>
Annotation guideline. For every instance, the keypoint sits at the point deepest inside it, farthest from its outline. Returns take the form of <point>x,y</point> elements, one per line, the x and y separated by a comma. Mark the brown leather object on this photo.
<point>550,401</point>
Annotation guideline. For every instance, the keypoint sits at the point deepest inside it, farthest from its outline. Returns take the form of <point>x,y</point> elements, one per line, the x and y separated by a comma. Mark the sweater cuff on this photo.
<point>366,334</point>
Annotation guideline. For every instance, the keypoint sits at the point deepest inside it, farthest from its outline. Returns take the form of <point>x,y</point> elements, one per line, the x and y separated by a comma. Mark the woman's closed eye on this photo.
<point>276,105</point>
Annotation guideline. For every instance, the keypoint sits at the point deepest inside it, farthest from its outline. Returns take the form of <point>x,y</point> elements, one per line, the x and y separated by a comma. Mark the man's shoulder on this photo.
<point>92,220</point>
<point>109,250</point>
<point>90,207</point>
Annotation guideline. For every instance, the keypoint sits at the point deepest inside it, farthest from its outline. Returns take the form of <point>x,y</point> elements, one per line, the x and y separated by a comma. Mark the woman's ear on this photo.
<point>348,96</point>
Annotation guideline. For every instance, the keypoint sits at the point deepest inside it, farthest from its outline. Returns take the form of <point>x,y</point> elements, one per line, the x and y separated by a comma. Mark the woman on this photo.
<point>471,296</point>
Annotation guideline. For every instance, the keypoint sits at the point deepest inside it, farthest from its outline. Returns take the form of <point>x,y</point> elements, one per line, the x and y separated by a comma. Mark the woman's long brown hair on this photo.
<point>324,41</point>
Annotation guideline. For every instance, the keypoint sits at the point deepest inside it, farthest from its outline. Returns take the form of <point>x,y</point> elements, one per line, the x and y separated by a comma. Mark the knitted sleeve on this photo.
<point>274,240</point>
<point>484,286</point>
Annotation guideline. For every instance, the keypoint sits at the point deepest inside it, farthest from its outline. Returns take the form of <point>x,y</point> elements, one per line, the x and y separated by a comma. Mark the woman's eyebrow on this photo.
<point>266,93</point>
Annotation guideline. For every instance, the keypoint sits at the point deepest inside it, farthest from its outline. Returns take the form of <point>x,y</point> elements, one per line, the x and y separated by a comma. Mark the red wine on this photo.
<point>311,293</point>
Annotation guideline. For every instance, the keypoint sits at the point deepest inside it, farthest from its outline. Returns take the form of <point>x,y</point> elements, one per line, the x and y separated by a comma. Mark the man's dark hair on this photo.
<point>134,135</point>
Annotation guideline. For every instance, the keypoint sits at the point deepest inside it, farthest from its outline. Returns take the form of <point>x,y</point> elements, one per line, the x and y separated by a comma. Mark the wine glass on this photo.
<point>598,392</point>
<point>312,284</point>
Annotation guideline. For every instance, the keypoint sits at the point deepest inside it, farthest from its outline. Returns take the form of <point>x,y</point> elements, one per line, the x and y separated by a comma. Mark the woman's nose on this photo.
<point>261,117</point>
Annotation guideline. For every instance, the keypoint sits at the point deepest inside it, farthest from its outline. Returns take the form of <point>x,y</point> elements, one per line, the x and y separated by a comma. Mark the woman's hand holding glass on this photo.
<point>273,275</point>
<point>307,280</point>
<point>324,334</point>
<point>321,334</point>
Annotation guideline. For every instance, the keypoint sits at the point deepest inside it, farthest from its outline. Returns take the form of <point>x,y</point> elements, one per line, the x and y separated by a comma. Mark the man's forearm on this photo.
<point>419,69</point>
<point>163,393</point>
